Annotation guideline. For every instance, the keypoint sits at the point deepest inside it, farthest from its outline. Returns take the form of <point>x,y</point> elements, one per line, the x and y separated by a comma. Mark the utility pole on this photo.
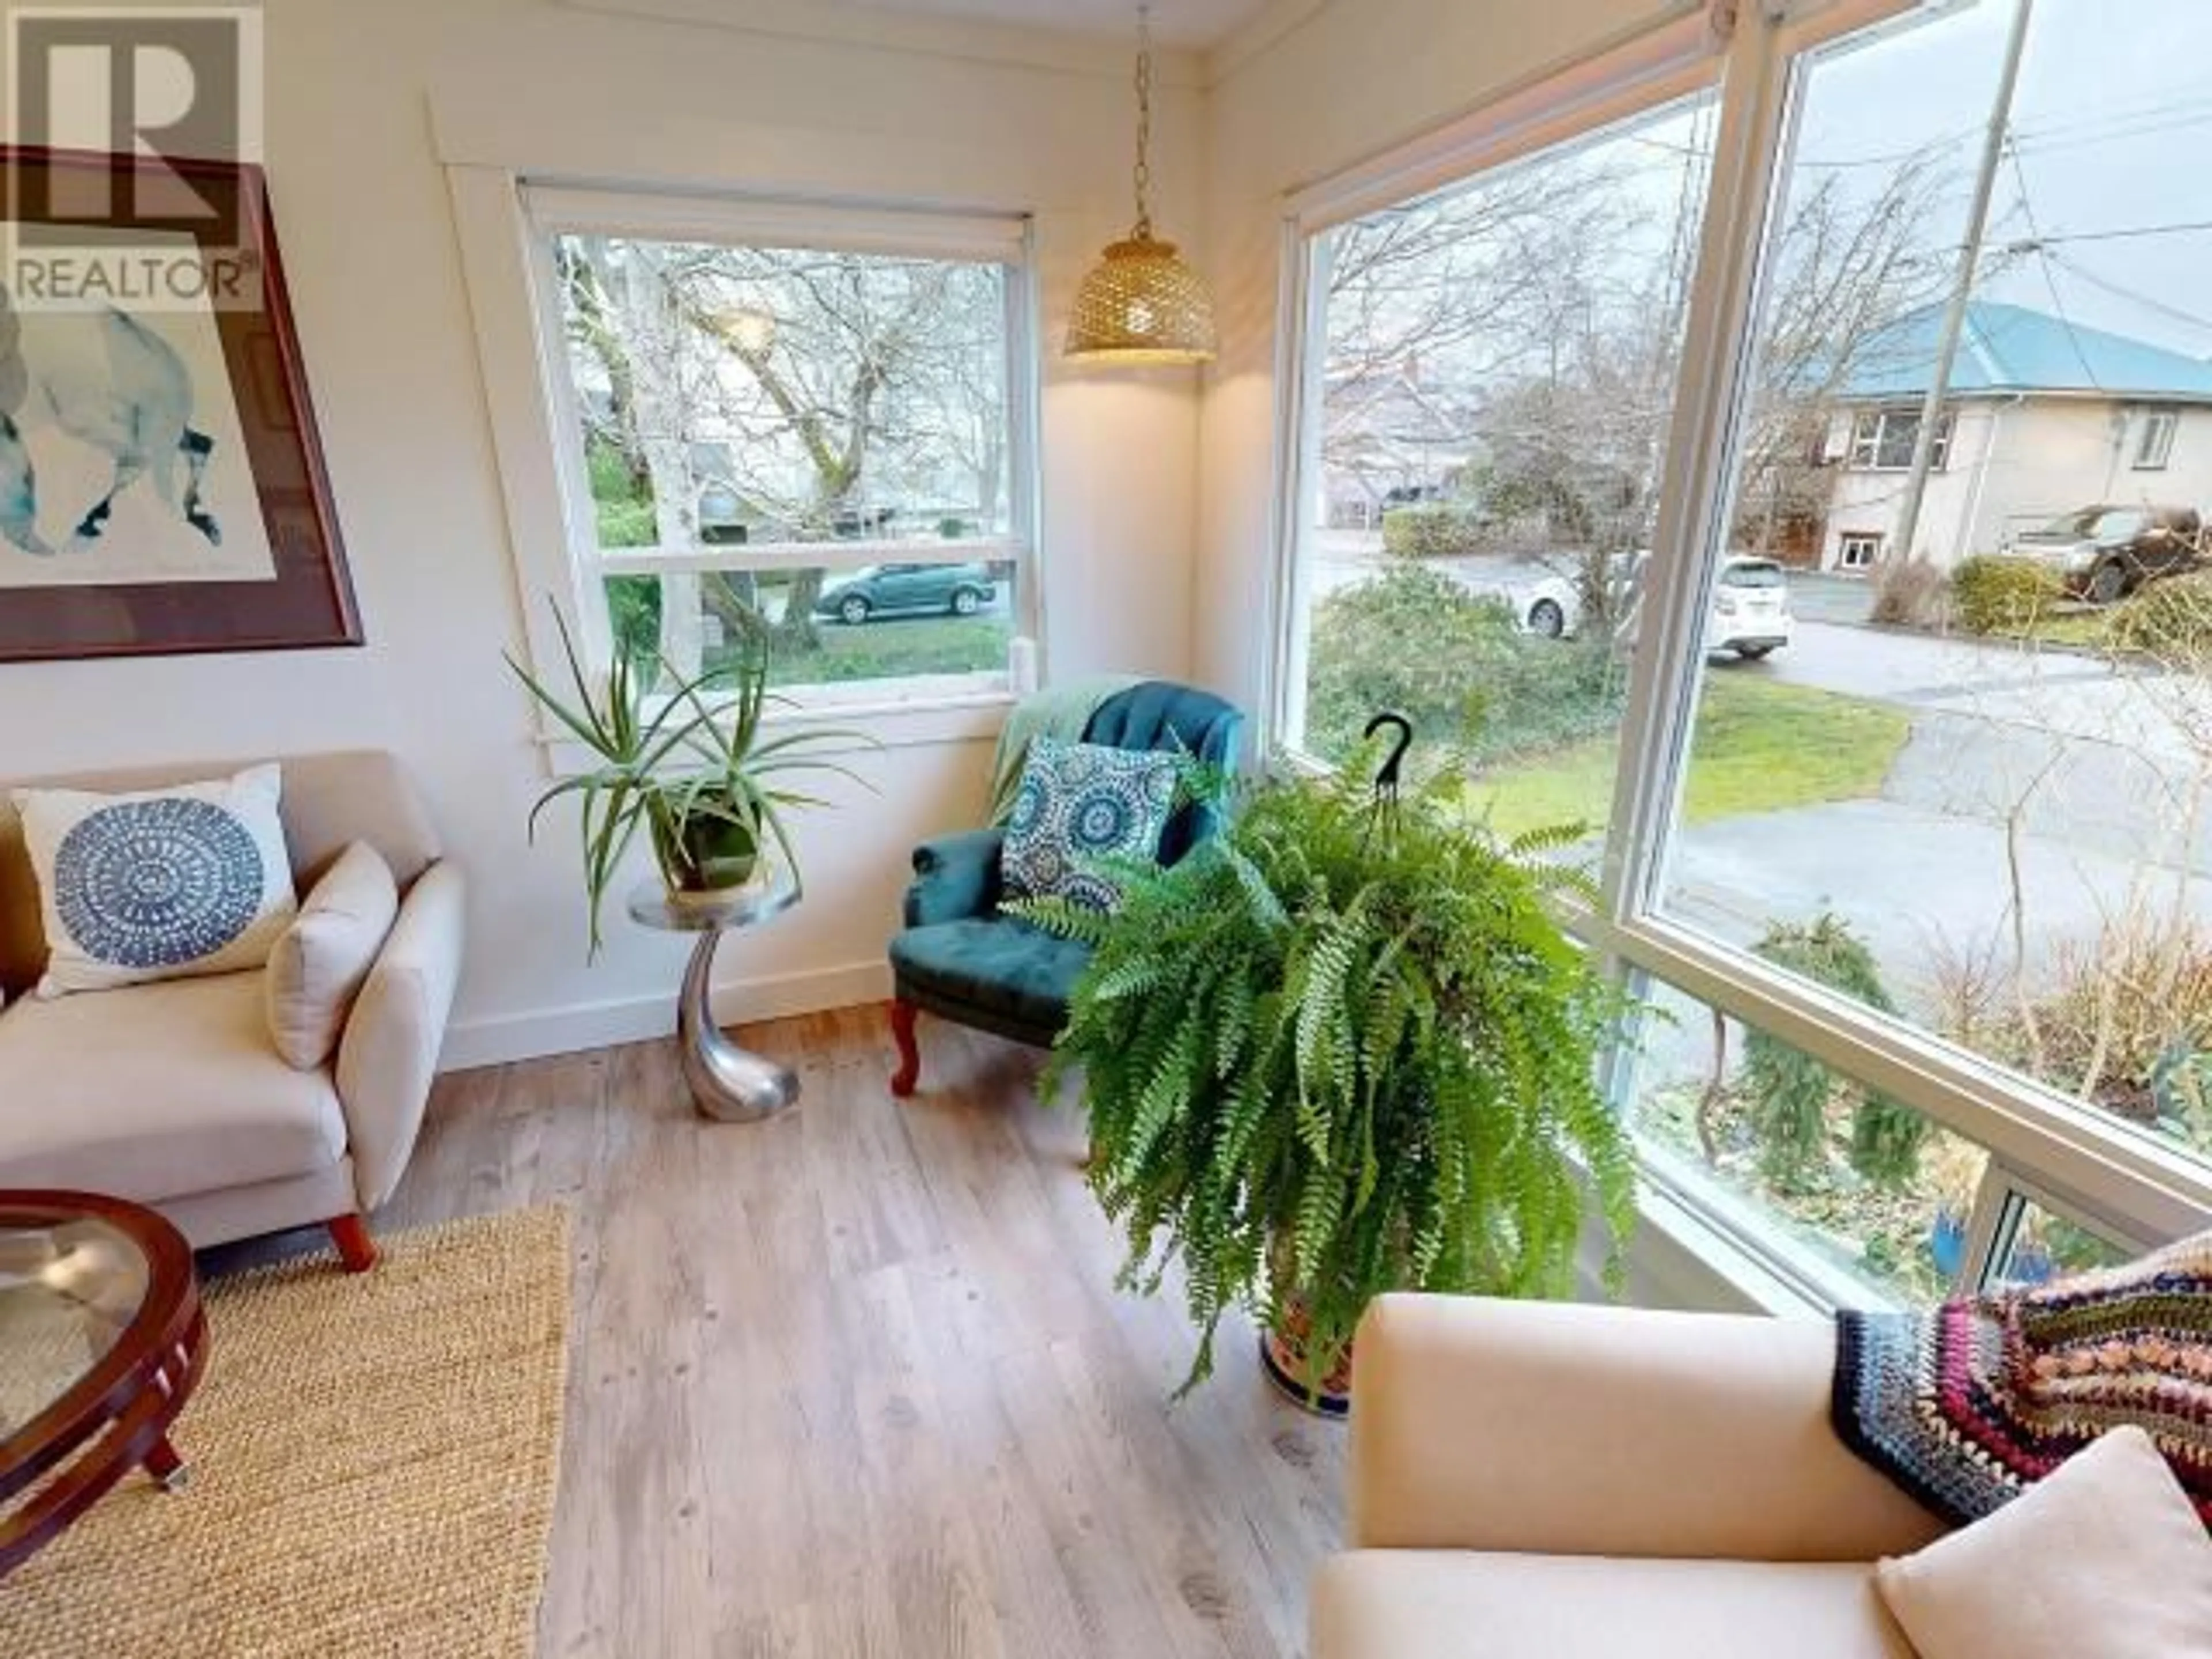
<point>1954,315</point>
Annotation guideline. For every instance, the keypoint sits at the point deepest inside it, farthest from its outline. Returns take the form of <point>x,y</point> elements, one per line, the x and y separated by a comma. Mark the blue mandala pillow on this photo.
<point>192,879</point>
<point>1079,807</point>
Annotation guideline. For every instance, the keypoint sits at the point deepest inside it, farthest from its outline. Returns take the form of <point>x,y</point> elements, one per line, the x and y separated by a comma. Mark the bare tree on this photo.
<point>1847,266</point>
<point>1431,302</point>
<point>827,389</point>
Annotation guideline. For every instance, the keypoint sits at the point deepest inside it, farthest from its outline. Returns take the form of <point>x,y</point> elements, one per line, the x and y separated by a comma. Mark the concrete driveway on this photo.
<point>2092,781</point>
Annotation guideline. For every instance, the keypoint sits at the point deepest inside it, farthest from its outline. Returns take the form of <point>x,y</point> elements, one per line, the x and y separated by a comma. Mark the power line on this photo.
<point>2187,226</point>
<point>2133,297</point>
<point>2068,133</point>
<point>2043,262</point>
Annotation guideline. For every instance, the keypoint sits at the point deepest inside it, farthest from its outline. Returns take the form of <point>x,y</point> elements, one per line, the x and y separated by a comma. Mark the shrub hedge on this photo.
<point>2169,620</point>
<point>1431,531</point>
<point>1912,593</point>
<point>1454,664</point>
<point>1995,595</point>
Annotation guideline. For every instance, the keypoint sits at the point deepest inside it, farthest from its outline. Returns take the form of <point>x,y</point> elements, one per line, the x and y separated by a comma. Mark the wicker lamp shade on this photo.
<point>1141,304</point>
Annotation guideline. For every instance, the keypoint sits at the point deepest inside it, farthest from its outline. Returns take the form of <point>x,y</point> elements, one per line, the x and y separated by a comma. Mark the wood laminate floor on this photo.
<point>858,1383</point>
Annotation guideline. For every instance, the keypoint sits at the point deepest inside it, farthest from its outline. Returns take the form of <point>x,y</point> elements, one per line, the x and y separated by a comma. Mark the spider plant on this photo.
<point>687,766</point>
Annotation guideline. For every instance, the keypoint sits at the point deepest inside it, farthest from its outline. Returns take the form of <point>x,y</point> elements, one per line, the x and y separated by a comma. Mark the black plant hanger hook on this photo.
<point>1386,776</point>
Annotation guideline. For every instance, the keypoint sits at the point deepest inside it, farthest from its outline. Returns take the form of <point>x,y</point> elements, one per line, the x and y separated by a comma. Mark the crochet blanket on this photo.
<point>1967,1406</point>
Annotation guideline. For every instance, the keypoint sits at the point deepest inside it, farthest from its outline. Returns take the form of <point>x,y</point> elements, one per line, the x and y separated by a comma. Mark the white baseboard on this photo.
<point>495,1041</point>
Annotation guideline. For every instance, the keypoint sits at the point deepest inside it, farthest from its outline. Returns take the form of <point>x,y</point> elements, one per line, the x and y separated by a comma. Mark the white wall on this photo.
<point>1353,79</point>
<point>1862,500</point>
<point>367,232</point>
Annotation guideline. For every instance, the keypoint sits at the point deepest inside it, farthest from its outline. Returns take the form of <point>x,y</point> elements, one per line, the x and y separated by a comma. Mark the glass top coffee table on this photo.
<point>101,1340</point>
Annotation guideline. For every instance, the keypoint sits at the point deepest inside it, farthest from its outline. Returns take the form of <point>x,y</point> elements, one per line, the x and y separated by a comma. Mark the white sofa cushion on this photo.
<point>319,963</point>
<point>135,888</point>
<point>157,1091</point>
<point>2106,1555</point>
<point>1454,1604</point>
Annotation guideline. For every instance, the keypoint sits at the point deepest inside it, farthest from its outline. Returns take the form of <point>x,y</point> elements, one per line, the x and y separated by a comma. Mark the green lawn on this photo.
<point>894,645</point>
<point>1760,747</point>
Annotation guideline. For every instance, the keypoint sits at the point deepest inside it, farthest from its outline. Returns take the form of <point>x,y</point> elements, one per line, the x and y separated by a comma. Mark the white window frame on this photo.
<point>543,209</point>
<point>1858,549</point>
<point>1869,542</point>
<point>2155,444</point>
<point>2126,1184</point>
<point>1871,428</point>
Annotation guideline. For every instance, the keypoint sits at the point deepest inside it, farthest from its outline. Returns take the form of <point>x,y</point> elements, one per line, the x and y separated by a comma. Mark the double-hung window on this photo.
<point>809,425</point>
<point>1882,439</point>
<point>2154,440</point>
<point>1923,931</point>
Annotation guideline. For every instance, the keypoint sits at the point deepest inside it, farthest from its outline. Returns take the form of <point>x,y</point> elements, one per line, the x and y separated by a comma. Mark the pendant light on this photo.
<point>1140,303</point>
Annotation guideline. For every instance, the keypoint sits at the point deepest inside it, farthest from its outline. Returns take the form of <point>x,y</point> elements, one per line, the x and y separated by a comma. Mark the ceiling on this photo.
<point>1189,23</point>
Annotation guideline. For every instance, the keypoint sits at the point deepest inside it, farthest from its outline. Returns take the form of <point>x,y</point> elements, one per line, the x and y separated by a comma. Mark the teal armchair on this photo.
<point>958,958</point>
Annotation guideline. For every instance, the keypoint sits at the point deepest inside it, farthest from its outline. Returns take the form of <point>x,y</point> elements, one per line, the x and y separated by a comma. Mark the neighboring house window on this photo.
<point>1882,439</point>
<point>1897,1035</point>
<point>800,420</point>
<point>2154,447</point>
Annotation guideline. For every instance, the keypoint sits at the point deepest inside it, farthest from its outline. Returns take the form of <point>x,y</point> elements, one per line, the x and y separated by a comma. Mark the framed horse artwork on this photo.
<point>162,487</point>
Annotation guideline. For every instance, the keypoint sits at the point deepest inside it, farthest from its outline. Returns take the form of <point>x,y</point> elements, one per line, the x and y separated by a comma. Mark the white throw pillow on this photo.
<point>163,885</point>
<point>2105,1556</point>
<point>317,965</point>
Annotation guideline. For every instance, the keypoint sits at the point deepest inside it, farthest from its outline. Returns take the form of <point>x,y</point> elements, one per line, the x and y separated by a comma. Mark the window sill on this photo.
<point>1680,1256</point>
<point>1720,1241</point>
<point>878,720</point>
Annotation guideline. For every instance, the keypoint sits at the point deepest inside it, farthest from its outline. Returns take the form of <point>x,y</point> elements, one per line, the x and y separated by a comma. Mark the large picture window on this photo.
<point>799,420</point>
<point>1497,364</point>
<point>1910,868</point>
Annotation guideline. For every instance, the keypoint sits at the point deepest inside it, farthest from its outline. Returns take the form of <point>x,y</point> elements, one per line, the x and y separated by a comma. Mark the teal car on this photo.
<point>908,590</point>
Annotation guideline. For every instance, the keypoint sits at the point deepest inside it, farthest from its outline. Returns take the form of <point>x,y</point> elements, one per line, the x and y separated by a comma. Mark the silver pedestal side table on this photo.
<point>728,1083</point>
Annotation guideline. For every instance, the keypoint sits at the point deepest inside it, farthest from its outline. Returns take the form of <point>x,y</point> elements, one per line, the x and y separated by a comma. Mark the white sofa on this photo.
<point>1536,1481</point>
<point>173,1094</point>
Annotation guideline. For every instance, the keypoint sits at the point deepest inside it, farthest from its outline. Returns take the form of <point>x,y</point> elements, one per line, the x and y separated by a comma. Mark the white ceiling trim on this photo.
<point>966,39</point>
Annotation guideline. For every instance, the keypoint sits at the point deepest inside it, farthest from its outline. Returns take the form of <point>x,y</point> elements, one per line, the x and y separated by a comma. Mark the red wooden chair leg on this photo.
<point>356,1249</point>
<point>909,1069</point>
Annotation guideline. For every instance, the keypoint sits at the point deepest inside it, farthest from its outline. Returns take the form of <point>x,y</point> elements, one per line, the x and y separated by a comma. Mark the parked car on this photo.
<point>1750,614</point>
<point>908,590</point>
<point>1553,606</point>
<point>2103,553</point>
<point>1751,608</point>
<point>1413,495</point>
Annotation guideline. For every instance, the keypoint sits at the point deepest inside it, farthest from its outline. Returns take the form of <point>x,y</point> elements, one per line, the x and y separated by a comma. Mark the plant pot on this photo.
<point>1282,1356</point>
<point>1947,1241</point>
<point>726,855</point>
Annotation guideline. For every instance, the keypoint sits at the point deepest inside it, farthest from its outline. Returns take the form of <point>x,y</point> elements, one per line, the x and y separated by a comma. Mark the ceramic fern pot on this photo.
<point>1283,1357</point>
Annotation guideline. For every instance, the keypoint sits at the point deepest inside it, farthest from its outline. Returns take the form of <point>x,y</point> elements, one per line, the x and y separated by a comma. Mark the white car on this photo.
<point>1750,614</point>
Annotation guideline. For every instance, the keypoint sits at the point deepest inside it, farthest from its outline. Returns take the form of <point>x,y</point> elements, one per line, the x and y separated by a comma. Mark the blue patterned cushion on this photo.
<point>1080,806</point>
<point>191,879</point>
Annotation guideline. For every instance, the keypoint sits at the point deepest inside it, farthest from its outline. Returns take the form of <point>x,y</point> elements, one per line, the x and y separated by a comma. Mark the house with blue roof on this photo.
<point>2042,417</point>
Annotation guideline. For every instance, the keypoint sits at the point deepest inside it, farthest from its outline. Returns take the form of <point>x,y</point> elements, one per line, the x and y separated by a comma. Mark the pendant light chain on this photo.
<point>1143,171</point>
<point>1141,303</point>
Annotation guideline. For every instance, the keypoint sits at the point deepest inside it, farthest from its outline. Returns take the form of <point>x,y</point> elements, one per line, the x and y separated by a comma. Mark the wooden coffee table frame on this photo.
<point>116,1418</point>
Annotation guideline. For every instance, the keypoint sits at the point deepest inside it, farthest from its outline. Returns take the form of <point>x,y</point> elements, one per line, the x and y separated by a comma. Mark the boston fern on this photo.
<point>1334,1053</point>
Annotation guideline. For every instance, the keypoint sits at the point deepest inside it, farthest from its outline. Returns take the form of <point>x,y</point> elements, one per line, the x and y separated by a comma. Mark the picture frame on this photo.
<point>162,484</point>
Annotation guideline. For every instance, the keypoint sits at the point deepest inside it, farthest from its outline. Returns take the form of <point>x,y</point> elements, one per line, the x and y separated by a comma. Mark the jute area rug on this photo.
<point>373,1460</point>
